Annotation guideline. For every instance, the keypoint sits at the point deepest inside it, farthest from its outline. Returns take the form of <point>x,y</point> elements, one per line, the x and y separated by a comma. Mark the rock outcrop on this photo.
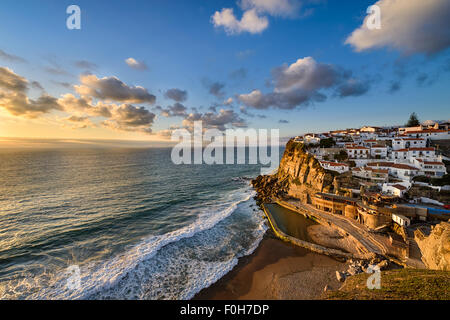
<point>299,175</point>
<point>435,248</point>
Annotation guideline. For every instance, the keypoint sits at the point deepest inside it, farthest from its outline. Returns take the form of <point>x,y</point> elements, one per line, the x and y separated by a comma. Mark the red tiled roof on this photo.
<point>380,164</point>
<point>434,162</point>
<point>424,131</point>
<point>414,149</point>
<point>404,167</point>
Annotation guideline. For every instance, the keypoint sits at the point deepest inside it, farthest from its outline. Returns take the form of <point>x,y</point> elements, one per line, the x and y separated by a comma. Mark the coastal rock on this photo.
<point>340,276</point>
<point>383,264</point>
<point>435,247</point>
<point>299,175</point>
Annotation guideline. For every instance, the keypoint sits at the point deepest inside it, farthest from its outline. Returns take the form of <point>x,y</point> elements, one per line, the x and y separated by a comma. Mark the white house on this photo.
<point>378,151</point>
<point>357,152</point>
<point>401,220</point>
<point>404,171</point>
<point>377,175</point>
<point>311,138</point>
<point>406,143</point>
<point>335,166</point>
<point>409,154</point>
<point>433,134</point>
<point>396,189</point>
<point>434,169</point>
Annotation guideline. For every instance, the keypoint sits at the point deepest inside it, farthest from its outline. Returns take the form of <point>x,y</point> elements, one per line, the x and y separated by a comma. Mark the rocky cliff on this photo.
<point>435,248</point>
<point>299,175</point>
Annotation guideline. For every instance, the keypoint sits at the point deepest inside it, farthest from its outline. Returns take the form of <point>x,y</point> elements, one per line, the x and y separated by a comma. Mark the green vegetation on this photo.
<point>327,143</point>
<point>445,180</point>
<point>341,156</point>
<point>402,284</point>
<point>413,120</point>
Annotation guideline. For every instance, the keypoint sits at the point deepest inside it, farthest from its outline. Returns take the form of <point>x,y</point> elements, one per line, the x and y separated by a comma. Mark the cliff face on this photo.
<point>436,247</point>
<point>299,175</point>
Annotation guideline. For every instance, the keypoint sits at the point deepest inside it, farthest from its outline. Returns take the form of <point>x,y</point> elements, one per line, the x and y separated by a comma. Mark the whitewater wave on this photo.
<point>133,274</point>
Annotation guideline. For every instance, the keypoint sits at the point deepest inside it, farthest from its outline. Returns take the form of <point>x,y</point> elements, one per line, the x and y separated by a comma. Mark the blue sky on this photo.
<point>183,49</point>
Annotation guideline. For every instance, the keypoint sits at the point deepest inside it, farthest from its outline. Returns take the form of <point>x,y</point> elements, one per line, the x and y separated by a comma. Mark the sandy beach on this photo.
<point>277,270</point>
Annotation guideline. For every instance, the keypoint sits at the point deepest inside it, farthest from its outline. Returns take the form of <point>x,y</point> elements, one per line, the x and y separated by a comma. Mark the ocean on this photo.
<point>132,223</point>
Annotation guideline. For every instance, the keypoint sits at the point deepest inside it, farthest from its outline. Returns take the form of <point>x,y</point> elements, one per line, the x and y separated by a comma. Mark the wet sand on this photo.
<point>277,270</point>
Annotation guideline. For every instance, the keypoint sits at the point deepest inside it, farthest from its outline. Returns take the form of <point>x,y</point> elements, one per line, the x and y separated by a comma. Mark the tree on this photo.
<point>413,120</point>
<point>327,143</point>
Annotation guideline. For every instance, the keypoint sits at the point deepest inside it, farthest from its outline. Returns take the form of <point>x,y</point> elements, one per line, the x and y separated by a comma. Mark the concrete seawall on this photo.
<point>305,244</point>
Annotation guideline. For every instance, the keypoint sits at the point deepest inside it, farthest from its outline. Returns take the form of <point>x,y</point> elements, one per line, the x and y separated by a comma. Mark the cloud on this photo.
<point>112,89</point>
<point>301,83</point>
<point>13,97</point>
<point>137,65</point>
<point>37,85</point>
<point>66,85</point>
<point>353,87</point>
<point>254,19</point>
<point>272,7</point>
<point>250,21</point>
<point>394,86</point>
<point>228,101</point>
<point>71,103</point>
<point>10,57</point>
<point>127,117</point>
<point>211,120</point>
<point>238,74</point>
<point>281,100</point>
<point>305,74</point>
<point>176,110</point>
<point>80,122</point>
<point>214,88</point>
<point>12,81</point>
<point>86,65</point>
<point>283,121</point>
<point>245,54</point>
<point>18,104</point>
<point>409,26</point>
<point>176,95</point>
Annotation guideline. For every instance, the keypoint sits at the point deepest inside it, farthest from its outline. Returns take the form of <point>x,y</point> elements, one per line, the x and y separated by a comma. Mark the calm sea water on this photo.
<point>137,226</point>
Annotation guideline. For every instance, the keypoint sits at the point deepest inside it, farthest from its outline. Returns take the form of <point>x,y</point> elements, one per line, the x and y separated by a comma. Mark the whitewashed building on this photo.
<point>357,152</point>
<point>406,143</point>
<point>335,166</point>
<point>411,153</point>
<point>435,169</point>
<point>378,151</point>
<point>401,220</point>
<point>396,189</point>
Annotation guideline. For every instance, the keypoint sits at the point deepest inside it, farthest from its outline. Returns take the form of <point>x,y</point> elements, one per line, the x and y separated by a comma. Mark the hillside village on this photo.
<point>389,161</point>
<point>387,187</point>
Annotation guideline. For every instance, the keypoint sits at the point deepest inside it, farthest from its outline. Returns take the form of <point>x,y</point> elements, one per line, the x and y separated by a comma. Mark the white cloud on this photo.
<point>112,89</point>
<point>250,21</point>
<point>302,82</point>
<point>138,65</point>
<point>410,26</point>
<point>272,7</point>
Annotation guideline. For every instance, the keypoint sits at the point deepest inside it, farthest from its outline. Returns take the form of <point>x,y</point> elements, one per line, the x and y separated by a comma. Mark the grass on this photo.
<point>402,284</point>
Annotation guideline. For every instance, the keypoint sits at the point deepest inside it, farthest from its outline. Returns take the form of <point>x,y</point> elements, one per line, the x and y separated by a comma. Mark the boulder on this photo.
<point>340,276</point>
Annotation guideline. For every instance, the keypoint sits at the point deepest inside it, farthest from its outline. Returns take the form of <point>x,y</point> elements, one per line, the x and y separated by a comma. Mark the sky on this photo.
<point>137,70</point>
